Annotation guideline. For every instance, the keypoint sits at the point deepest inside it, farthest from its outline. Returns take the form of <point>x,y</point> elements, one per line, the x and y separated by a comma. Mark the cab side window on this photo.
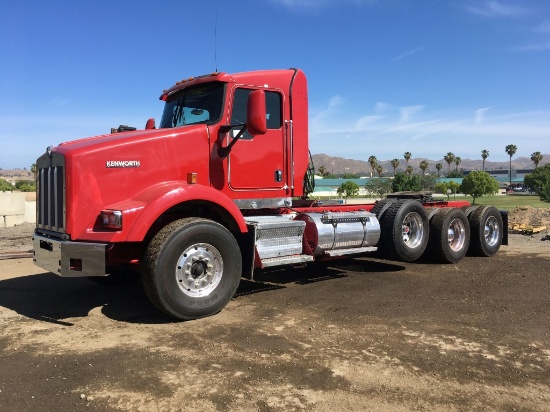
<point>273,110</point>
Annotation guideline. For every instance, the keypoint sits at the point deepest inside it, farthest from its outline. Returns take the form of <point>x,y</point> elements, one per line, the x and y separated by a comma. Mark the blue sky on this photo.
<point>385,76</point>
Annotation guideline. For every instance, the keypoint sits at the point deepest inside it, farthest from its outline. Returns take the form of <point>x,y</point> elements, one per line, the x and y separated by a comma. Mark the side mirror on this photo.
<point>150,124</point>
<point>256,122</point>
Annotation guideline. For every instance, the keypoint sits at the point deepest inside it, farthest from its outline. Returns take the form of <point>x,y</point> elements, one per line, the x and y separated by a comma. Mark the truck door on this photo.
<point>257,162</point>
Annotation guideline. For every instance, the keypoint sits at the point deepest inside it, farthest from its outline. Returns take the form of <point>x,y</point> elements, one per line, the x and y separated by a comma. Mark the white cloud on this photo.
<point>381,107</point>
<point>533,47</point>
<point>427,134</point>
<point>408,54</point>
<point>495,9</point>
<point>407,112</point>
<point>327,112</point>
<point>479,114</point>
<point>365,121</point>
<point>304,4</point>
<point>544,27</point>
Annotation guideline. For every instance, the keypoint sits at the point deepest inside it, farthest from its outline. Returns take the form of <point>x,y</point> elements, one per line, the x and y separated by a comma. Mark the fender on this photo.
<point>140,213</point>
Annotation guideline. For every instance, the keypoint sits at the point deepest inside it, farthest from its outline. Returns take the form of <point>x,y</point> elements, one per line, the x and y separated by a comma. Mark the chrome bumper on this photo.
<point>69,259</point>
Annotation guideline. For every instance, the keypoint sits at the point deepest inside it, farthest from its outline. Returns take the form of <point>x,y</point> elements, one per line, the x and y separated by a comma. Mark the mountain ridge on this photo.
<point>339,165</point>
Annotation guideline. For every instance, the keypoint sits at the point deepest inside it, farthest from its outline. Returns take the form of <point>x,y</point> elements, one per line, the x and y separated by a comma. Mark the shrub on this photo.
<point>539,182</point>
<point>403,182</point>
<point>478,183</point>
<point>5,186</point>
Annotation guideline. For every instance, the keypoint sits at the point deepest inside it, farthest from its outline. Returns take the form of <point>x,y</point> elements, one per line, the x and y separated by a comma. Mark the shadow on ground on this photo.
<point>49,298</point>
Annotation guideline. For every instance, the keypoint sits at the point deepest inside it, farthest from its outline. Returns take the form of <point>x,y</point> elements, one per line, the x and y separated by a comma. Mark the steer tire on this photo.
<point>405,230</point>
<point>486,231</point>
<point>192,268</point>
<point>449,235</point>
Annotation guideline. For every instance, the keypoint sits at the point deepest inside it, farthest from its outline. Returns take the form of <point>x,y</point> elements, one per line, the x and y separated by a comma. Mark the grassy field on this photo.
<point>505,202</point>
<point>508,201</point>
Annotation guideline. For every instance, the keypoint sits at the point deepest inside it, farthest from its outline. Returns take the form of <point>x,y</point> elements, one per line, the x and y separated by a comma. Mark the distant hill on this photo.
<point>16,174</point>
<point>339,165</point>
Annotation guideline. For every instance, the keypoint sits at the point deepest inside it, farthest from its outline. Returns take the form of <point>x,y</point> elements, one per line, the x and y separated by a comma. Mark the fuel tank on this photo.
<point>330,231</point>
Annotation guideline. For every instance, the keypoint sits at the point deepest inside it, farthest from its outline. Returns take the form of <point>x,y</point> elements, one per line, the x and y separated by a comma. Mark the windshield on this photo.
<point>198,104</point>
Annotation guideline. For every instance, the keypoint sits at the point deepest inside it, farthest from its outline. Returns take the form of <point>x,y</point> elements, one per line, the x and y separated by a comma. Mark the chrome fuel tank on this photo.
<point>330,231</point>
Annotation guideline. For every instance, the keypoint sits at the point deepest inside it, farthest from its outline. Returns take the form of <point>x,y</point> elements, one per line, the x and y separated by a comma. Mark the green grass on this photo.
<point>505,202</point>
<point>508,201</point>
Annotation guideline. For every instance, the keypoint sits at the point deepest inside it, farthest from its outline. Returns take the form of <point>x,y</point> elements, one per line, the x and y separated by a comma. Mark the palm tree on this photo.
<point>458,160</point>
<point>407,156</point>
<point>439,166</point>
<point>424,166</point>
<point>449,158</point>
<point>536,157</point>
<point>511,149</point>
<point>322,170</point>
<point>34,171</point>
<point>484,155</point>
<point>373,162</point>
<point>379,170</point>
<point>409,170</point>
<point>395,165</point>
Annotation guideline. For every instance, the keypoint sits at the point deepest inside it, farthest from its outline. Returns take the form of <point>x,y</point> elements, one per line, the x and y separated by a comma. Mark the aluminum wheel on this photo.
<point>492,231</point>
<point>456,235</point>
<point>413,230</point>
<point>199,270</point>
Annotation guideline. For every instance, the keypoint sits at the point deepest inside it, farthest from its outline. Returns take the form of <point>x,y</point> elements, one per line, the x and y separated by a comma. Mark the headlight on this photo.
<point>111,219</point>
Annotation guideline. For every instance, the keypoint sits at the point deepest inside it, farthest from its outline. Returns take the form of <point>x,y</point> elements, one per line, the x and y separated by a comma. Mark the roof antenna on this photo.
<point>216,42</point>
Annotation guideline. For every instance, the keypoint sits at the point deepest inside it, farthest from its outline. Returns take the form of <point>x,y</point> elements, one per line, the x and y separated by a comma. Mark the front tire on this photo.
<point>192,268</point>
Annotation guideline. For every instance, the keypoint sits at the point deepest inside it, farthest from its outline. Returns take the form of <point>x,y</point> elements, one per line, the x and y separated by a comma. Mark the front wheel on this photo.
<point>192,268</point>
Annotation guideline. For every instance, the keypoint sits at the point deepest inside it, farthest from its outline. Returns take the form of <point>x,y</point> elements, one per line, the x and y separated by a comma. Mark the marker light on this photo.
<point>111,219</point>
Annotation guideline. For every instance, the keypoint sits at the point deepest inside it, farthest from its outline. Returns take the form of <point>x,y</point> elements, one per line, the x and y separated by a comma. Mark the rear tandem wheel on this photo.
<point>449,235</point>
<point>404,230</point>
<point>486,231</point>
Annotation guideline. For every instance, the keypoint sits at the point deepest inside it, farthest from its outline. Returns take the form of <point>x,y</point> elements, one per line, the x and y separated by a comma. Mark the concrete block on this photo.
<point>14,220</point>
<point>30,212</point>
<point>12,203</point>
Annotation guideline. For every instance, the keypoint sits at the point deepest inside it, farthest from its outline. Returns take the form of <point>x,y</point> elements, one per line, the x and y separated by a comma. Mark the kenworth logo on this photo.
<point>123,163</point>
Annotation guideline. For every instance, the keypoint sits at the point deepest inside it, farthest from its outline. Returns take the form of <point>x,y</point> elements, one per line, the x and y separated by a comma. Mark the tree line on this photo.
<point>450,158</point>
<point>475,183</point>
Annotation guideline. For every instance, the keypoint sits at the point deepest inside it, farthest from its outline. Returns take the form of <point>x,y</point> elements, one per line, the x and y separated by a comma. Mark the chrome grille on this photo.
<point>50,205</point>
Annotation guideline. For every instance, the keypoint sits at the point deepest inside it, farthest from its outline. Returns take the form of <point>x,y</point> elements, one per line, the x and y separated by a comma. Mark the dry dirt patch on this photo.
<point>359,334</point>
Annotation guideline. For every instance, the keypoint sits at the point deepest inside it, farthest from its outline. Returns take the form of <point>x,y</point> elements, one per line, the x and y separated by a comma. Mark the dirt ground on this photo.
<point>359,334</point>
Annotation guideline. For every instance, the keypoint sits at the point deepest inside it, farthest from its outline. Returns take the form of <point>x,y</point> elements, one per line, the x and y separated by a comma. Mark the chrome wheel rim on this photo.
<point>199,270</point>
<point>491,231</point>
<point>456,235</point>
<point>412,230</point>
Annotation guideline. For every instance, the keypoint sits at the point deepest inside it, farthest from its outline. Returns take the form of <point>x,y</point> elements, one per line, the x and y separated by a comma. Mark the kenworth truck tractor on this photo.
<point>220,189</point>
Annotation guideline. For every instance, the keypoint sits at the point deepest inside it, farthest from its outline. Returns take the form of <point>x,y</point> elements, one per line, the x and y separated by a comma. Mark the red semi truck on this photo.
<point>219,190</point>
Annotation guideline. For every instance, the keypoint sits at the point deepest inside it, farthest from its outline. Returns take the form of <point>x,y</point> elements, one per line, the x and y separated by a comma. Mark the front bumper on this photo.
<point>69,259</point>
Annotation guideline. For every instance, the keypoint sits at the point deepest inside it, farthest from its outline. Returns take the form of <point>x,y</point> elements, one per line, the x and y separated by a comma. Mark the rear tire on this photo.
<point>381,206</point>
<point>486,231</point>
<point>449,235</point>
<point>405,230</point>
<point>192,268</point>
